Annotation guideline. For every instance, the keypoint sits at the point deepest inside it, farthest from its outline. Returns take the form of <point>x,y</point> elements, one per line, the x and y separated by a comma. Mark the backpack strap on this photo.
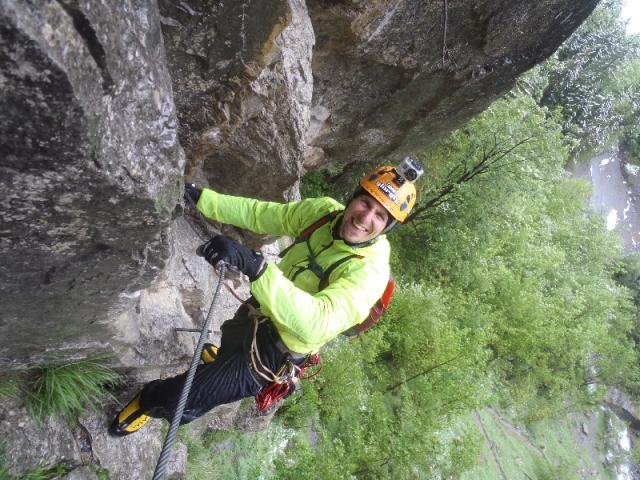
<point>324,278</point>
<point>306,233</point>
<point>314,266</point>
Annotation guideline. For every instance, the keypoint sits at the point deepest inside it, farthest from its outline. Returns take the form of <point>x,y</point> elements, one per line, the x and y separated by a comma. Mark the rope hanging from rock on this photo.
<point>160,470</point>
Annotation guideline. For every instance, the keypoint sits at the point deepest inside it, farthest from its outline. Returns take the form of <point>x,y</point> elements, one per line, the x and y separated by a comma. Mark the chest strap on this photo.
<point>314,266</point>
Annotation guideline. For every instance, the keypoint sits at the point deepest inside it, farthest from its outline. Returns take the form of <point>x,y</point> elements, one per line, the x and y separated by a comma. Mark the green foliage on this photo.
<point>545,471</point>
<point>234,455</point>
<point>523,263</point>
<point>314,184</point>
<point>61,391</point>
<point>317,183</point>
<point>505,295</point>
<point>101,472</point>
<point>464,449</point>
<point>626,90</point>
<point>378,406</point>
<point>635,453</point>
<point>42,473</point>
<point>10,385</point>
<point>628,275</point>
<point>590,82</point>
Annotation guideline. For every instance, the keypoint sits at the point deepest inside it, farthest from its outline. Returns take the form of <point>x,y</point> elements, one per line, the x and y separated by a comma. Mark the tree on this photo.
<point>505,295</point>
<point>626,90</point>
<point>527,263</point>
<point>582,77</point>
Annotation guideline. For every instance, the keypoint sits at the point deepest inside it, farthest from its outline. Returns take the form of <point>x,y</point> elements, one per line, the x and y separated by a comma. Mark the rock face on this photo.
<point>623,406</point>
<point>242,77</point>
<point>90,170</point>
<point>101,100</point>
<point>84,448</point>
<point>390,77</point>
<point>28,444</point>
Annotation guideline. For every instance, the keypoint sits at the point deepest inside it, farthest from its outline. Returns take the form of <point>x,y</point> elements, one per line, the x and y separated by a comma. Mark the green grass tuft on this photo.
<point>64,391</point>
<point>60,391</point>
<point>10,386</point>
<point>101,472</point>
<point>227,455</point>
<point>42,473</point>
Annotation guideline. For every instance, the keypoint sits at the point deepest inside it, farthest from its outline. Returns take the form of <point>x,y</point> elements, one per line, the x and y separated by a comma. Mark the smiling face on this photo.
<point>364,219</point>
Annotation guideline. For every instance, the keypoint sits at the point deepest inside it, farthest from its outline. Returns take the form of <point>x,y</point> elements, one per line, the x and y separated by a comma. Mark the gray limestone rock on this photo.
<point>133,456</point>
<point>148,344</point>
<point>623,406</point>
<point>90,170</point>
<point>29,445</point>
<point>81,473</point>
<point>250,419</point>
<point>242,76</point>
<point>177,465</point>
<point>391,77</point>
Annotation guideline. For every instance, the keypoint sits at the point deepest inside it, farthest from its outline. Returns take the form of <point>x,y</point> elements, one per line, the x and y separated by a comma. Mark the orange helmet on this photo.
<point>394,188</point>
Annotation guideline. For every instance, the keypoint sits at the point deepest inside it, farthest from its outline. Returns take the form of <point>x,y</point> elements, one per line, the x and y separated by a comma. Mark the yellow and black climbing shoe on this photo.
<point>130,419</point>
<point>209,353</point>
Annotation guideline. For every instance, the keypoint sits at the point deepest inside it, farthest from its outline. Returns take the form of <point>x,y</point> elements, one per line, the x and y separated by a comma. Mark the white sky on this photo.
<point>631,11</point>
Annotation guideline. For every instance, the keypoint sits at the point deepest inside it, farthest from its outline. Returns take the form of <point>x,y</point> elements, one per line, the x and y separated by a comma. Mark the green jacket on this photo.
<point>288,291</point>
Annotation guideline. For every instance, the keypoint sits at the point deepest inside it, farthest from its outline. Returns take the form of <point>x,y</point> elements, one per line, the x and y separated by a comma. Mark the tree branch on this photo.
<point>424,372</point>
<point>489,160</point>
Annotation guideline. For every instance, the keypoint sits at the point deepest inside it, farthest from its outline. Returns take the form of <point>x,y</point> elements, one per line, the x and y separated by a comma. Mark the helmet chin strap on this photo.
<point>390,226</point>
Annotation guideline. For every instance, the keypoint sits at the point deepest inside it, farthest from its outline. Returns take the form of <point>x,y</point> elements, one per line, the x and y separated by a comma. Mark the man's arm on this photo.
<point>264,217</point>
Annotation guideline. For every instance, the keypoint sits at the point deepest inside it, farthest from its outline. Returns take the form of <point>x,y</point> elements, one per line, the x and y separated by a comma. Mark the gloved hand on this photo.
<point>223,249</point>
<point>192,192</point>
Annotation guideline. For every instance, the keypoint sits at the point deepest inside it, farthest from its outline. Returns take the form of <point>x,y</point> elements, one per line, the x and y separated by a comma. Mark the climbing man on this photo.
<point>325,284</point>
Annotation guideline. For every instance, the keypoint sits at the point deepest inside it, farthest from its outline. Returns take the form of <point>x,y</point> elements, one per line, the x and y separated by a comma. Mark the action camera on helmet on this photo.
<point>410,169</point>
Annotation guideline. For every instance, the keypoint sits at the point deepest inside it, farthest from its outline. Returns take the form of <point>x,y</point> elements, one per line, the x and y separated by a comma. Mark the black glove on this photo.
<point>223,249</point>
<point>191,192</point>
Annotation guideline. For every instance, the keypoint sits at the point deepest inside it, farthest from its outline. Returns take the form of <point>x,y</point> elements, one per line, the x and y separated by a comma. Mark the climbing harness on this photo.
<point>286,380</point>
<point>290,376</point>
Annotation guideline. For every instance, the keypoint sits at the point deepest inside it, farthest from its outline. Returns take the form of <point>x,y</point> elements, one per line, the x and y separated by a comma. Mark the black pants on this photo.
<point>229,378</point>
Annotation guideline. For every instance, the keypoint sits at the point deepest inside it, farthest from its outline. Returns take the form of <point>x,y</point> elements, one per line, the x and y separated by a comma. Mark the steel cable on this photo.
<point>161,466</point>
